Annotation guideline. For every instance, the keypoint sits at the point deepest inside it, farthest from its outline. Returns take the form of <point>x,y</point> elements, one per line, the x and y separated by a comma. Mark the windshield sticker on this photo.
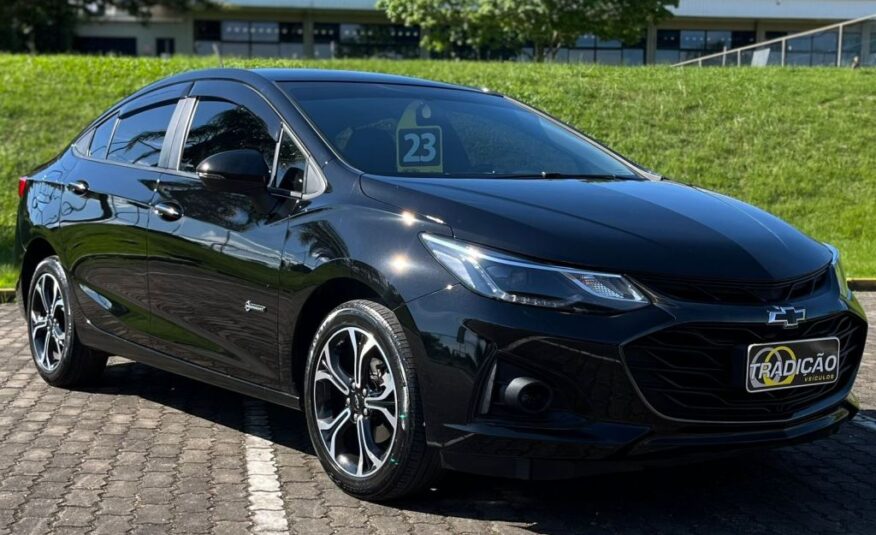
<point>419,147</point>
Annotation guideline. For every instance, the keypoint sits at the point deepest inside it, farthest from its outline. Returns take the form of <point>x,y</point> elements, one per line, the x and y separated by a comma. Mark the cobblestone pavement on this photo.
<point>149,452</point>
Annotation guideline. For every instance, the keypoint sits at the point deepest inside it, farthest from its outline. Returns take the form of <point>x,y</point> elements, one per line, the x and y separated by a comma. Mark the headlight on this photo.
<point>840,271</point>
<point>517,280</point>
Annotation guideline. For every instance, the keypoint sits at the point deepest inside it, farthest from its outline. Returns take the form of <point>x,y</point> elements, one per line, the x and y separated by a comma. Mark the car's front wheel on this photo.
<point>60,358</point>
<point>363,405</point>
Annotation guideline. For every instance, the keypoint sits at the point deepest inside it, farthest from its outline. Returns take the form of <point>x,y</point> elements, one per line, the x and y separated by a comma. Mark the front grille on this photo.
<point>738,293</point>
<point>697,371</point>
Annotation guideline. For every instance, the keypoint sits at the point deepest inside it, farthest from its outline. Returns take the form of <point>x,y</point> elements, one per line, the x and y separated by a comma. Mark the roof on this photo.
<point>332,75</point>
<point>259,77</point>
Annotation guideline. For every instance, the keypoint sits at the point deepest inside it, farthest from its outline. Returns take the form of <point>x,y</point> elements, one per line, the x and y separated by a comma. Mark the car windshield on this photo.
<point>407,130</point>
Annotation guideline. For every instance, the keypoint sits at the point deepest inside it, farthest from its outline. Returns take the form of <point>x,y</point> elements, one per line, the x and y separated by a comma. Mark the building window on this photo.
<point>291,32</point>
<point>815,49</point>
<point>591,49</point>
<point>325,38</point>
<point>249,38</point>
<point>208,30</point>
<point>286,39</point>
<point>119,46</point>
<point>378,40</point>
<point>674,46</point>
<point>165,46</point>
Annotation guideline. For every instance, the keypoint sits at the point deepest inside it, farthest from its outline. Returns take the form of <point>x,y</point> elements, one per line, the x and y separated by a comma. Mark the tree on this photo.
<point>49,25</point>
<point>447,26</point>
<point>545,25</point>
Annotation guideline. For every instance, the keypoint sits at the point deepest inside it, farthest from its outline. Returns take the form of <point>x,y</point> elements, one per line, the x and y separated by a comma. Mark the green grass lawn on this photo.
<point>800,143</point>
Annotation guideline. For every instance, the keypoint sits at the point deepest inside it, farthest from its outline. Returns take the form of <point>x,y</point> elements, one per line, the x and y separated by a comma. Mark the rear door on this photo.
<point>106,209</point>
<point>214,258</point>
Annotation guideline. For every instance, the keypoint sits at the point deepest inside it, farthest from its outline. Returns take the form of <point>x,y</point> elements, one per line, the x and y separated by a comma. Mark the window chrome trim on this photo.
<point>274,180</point>
<point>109,143</point>
<point>319,175</point>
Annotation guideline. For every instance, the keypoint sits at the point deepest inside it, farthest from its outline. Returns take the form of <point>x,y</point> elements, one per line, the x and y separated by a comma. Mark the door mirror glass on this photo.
<point>235,171</point>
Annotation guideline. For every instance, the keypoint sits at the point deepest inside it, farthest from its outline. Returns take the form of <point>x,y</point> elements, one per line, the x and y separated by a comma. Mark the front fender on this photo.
<point>338,252</point>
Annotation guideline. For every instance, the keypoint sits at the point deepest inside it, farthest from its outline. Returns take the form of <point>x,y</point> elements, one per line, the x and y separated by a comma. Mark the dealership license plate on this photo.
<point>781,365</point>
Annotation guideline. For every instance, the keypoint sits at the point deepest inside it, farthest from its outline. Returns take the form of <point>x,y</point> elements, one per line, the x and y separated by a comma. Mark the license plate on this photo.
<point>781,365</point>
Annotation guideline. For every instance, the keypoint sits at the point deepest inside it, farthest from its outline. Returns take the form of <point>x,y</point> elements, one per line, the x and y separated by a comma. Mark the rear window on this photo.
<point>402,130</point>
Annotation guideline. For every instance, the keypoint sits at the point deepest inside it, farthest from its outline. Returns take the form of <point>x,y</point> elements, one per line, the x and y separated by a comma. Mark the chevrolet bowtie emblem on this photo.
<point>786,316</point>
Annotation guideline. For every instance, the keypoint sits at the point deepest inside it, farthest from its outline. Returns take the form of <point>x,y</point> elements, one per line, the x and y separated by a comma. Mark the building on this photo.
<point>354,28</point>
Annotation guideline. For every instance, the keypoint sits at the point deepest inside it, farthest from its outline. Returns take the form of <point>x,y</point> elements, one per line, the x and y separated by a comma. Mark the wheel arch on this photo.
<point>36,251</point>
<point>322,300</point>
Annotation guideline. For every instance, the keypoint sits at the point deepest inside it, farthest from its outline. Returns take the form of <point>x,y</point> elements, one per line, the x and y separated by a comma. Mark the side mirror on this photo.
<point>235,171</point>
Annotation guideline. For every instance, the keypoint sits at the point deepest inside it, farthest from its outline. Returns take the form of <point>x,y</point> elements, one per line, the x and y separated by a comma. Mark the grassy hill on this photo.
<point>800,143</point>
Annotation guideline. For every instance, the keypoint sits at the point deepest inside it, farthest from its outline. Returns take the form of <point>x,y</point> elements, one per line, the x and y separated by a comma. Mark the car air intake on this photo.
<point>695,371</point>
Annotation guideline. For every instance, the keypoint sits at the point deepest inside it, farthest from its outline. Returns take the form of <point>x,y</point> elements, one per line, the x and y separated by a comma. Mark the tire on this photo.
<point>400,463</point>
<point>59,357</point>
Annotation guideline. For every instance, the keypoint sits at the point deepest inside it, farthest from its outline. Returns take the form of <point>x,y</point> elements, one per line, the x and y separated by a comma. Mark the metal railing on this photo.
<point>844,43</point>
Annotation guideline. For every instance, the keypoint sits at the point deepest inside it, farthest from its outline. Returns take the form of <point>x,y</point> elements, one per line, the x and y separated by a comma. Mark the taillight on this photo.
<point>22,186</point>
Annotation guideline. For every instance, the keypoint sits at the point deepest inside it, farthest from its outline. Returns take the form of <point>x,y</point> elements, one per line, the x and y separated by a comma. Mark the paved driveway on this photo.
<point>148,452</point>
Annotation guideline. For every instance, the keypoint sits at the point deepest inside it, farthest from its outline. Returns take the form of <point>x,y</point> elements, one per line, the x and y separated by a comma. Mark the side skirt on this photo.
<point>98,339</point>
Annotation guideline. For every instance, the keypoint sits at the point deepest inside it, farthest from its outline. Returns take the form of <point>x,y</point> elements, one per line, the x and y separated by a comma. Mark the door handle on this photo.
<point>80,187</point>
<point>167,211</point>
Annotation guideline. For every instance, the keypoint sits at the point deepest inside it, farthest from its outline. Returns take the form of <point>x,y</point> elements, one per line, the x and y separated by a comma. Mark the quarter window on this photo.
<point>81,145</point>
<point>100,140</point>
<point>219,126</point>
<point>139,137</point>
<point>291,165</point>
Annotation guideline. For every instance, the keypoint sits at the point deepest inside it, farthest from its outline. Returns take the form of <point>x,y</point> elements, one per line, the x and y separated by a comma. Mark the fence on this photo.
<point>850,43</point>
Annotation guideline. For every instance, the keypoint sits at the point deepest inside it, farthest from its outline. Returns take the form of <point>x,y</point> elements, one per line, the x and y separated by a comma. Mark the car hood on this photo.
<point>619,226</point>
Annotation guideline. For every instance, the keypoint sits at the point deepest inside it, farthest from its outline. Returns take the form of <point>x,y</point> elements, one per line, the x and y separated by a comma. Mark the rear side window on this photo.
<point>100,140</point>
<point>138,138</point>
<point>219,126</point>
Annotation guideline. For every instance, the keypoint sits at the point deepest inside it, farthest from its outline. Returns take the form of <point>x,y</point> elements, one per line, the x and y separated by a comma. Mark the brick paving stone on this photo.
<point>146,452</point>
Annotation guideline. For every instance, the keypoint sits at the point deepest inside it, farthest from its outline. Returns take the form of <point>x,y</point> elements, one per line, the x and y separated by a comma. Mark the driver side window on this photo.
<point>219,126</point>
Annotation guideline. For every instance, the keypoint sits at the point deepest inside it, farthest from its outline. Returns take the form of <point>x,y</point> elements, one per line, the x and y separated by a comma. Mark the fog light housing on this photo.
<point>528,395</point>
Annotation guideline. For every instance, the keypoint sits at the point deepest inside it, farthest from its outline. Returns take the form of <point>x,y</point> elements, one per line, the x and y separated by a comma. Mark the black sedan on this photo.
<point>439,276</point>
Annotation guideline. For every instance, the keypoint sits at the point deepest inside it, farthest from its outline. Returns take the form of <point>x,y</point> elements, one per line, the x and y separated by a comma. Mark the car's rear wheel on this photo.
<point>60,358</point>
<point>363,406</point>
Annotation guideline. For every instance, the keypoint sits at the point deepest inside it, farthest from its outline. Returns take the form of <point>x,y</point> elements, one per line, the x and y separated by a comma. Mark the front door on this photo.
<point>214,258</point>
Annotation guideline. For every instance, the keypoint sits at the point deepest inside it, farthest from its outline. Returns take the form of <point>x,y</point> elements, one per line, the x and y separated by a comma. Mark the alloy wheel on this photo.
<point>355,402</point>
<point>48,322</point>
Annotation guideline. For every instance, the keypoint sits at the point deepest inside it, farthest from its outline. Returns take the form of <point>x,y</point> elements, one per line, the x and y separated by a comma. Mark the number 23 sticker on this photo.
<point>420,148</point>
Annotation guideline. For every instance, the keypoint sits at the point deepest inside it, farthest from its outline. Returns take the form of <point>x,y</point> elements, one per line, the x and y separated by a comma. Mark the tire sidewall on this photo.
<point>52,265</point>
<point>362,316</point>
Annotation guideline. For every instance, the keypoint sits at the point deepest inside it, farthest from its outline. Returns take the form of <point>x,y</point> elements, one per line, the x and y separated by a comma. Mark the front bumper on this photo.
<point>493,450</point>
<point>600,420</point>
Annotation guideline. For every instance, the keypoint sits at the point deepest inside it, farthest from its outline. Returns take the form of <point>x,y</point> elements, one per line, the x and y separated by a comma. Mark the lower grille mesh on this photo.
<point>696,371</point>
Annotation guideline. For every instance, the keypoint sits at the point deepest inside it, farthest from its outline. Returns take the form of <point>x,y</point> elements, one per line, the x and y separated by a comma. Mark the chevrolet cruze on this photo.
<point>440,277</point>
